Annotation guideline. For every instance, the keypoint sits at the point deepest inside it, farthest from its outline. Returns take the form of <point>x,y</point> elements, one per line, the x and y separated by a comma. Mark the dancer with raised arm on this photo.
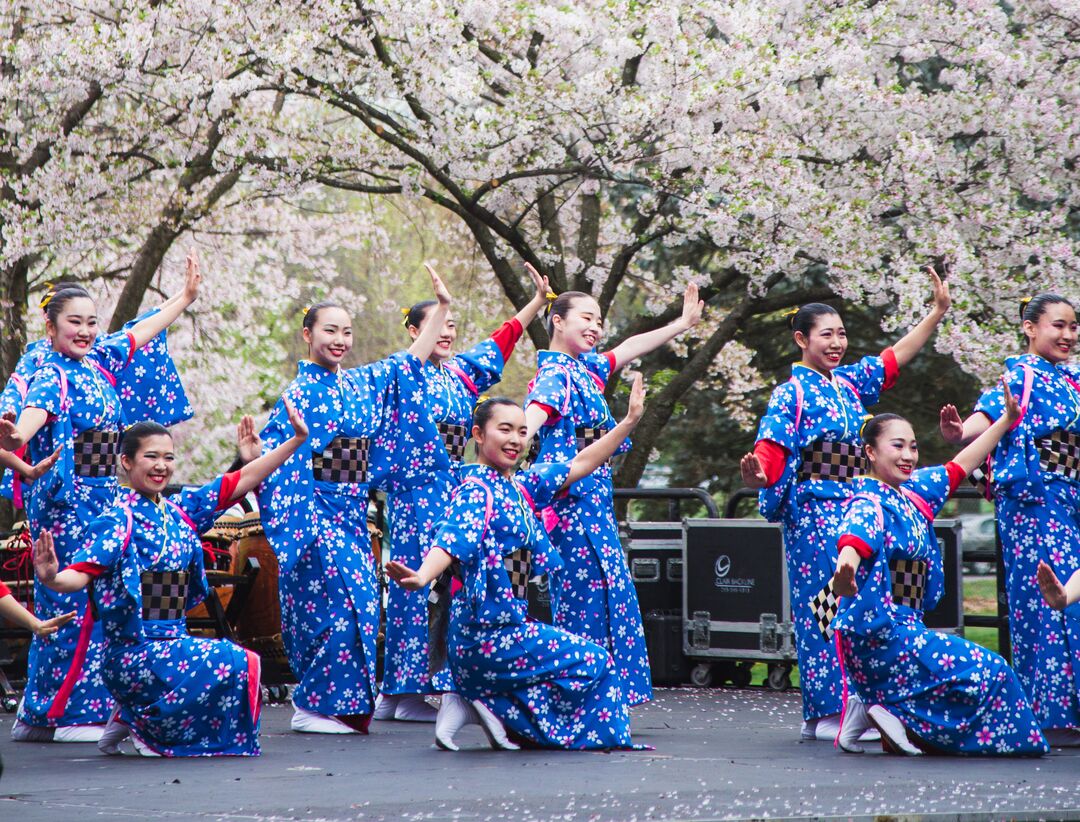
<point>925,691</point>
<point>176,695</point>
<point>1036,490</point>
<point>420,490</point>
<point>314,510</point>
<point>523,682</point>
<point>72,406</point>
<point>806,455</point>
<point>593,595</point>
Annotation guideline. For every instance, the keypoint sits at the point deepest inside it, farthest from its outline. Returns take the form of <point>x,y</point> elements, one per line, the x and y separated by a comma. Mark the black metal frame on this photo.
<point>674,496</point>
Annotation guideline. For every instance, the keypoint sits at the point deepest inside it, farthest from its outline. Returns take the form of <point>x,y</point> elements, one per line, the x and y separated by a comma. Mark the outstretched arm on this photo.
<point>28,472</point>
<point>433,565</point>
<point>425,341</point>
<point>911,343</point>
<point>844,578</point>
<point>13,611</point>
<point>975,454</point>
<point>145,330</point>
<point>1058,596</point>
<point>533,307</point>
<point>46,566</point>
<point>641,344</point>
<point>260,468</point>
<point>591,458</point>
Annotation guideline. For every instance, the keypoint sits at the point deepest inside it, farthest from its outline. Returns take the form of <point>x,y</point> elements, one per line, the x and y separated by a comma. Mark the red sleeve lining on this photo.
<point>892,368</point>
<point>956,476</point>
<point>852,541</point>
<point>131,349</point>
<point>228,488</point>
<point>773,457</point>
<point>90,568</point>
<point>611,360</point>
<point>552,414</point>
<point>507,336</point>
<point>4,590</point>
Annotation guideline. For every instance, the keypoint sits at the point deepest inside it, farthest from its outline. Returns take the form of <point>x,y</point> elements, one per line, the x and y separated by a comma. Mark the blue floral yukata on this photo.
<point>550,687</point>
<point>1038,517</point>
<point>593,595</point>
<point>180,695</point>
<point>417,498</point>
<point>314,512</point>
<point>807,409</point>
<point>149,389</point>
<point>953,695</point>
<point>84,420</point>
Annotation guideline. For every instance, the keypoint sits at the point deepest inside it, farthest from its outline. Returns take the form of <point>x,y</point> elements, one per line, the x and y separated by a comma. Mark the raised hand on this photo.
<point>753,475</point>
<point>42,467</point>
<point>1012,406</point>
<point>843,581</point>
<point>541,283</point>
<point>192,277</point>
<point>442,294</point>
<point>46,565</point>
<point>300,428</point>
<point>1052,589</point>
<point>8,432</point>
<point>691,307</point>
<point>404,576</point>
<point>952,427</point>
<point>637,400</point>
<point>50,626</point>
<point>248,443</point>
<point>942,299</point>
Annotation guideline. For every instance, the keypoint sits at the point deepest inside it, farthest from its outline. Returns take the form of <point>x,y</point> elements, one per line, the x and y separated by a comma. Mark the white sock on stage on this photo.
<point>141,748</point>
<point>385,706</point>
<point>454,714</point>
<point>414,708</point>
<point>306,722</point>
<point>21,732</point>
<point>115,733</point>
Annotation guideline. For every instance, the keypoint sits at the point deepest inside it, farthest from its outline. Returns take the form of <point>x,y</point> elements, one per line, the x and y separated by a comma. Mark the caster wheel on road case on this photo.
<point>10,704</point>
<point>779,677</point>
<point>742,674</point>
<point>701,675</point>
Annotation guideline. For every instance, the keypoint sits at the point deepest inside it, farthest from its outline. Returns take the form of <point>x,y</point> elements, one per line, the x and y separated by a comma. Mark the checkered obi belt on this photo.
<point>518,567</point>
<point>455,438</point>
<point>908,588</point>
<point>587,436</point>
<point>164,595</point>
<point>96,453</point>
<point>344,460</point>
<point>834,461</point>
<point>1060,453</point>
<point>908,582</point>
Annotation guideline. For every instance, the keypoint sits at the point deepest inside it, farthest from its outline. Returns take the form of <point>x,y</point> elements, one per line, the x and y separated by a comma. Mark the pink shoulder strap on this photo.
<point>798,404</point>
<point>489,501</point>
<point>1025,394</point>
<point>846,382</point>
<point>104,372</point>
<point>21,385</point>
<point>465,378</point>
<point>920,503</point>
<point>525,495</point>
<point>183,515</point>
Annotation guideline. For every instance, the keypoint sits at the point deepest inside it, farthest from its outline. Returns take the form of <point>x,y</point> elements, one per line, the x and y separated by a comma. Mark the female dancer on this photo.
<point>926,690</point>
<point>806,454</point>
<point>547,686</point>
<point>71,405</point>
<point>315,510</point>
<point>420,491</point>
<point>148,389</point>
<point>593,596</point>
<point>1036,485</point>
<point>176,695</point>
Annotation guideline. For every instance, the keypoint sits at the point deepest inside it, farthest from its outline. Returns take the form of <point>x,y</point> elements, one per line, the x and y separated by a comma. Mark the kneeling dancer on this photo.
<point>541,685</point>
<point>927,691</point>
<point>176,695</point>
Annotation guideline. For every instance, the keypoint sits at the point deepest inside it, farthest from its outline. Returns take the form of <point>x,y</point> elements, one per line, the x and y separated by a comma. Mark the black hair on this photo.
<point>1032,308</point>
<point>560,307</point>
<point>415,315</point>
<point>873,427</point>
<point>54,288</point>
<point>311,313</point>
<point>804,319</point>
<point>133,437</point>
<point>62,297</point>
<point>483,412</point>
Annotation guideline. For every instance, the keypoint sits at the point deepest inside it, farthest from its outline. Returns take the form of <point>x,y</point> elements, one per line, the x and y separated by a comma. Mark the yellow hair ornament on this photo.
<point>1024,304</point>
<point>307,308</point>
<point>789,315</point>
<point>551,296</point>
<point>49,292</point>
<point>405,316</point>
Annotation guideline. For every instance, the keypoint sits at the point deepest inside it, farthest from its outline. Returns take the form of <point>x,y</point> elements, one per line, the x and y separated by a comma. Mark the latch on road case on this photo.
<point>700,635</point>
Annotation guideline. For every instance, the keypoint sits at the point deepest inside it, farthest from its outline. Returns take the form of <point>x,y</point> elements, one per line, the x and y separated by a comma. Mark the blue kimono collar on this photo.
<point>317,372</point>
<point>558,357</point>
<point>1034,361</point>
<point>806,370</point>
